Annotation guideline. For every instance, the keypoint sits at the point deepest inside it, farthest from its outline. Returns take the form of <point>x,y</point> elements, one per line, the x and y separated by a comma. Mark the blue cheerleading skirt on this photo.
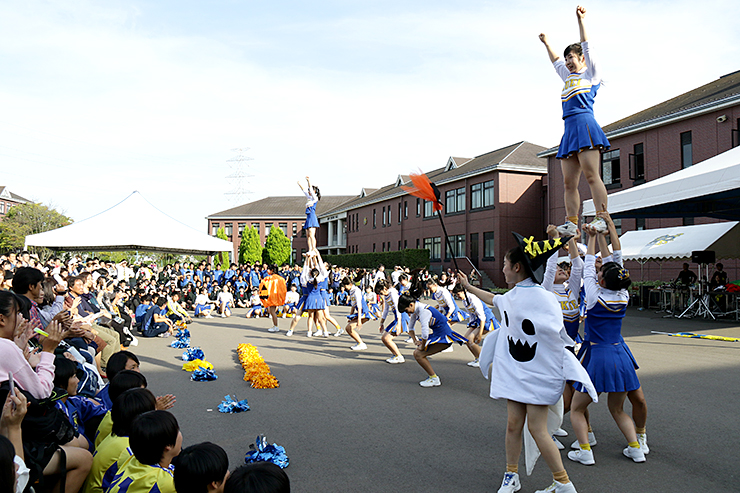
<point>314,301</point>
<point>581,133</point>
<point>353,317</point>
<point>312,221</point>
<point>404,324</point>
<point>571,327</point>
<point>201,308</point>
<point>301,302</point>
<point>454,314</point>
<point>610,366</point>
<point>446,338</point>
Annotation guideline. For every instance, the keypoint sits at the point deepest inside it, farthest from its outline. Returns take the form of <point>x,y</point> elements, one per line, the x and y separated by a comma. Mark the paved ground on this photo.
<point>349,421</point>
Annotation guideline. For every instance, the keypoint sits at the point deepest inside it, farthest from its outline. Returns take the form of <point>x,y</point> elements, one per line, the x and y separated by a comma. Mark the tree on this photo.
<point>28,219</point>
<point>277,247</point>
<point>223,257</point>
<point>250,250</point>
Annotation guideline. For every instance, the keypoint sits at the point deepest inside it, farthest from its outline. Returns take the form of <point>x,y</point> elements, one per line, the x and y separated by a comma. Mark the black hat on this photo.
<point>537,253</point>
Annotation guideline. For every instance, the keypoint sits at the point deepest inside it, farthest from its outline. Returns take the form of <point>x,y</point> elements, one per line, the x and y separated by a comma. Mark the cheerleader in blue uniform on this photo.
<point>480,321</point>
<point>324,285</point>
<point>583,139</point>
<point>436,334</point>
<point>389,295</point>
<point>312,221</point>
<point>604,353</point>
<point>568,295</point>
<point>313,274</point>
<point>358,315</point>
<point>445,304</point>
<point>300,308</point>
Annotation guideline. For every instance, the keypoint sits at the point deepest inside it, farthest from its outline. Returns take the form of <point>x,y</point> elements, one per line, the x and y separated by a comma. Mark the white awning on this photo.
<point>678,243</point>
<point>710,188</point>
<point>133,224</point>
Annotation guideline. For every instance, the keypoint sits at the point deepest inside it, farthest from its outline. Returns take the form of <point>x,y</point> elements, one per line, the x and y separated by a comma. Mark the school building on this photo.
<point>8,200</point>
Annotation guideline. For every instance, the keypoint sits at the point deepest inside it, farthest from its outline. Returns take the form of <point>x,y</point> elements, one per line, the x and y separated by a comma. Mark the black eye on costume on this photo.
<point>506,318</point>
<point>528,327</point>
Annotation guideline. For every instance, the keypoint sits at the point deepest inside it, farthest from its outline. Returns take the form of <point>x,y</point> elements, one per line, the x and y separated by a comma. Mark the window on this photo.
<point>399,245</point>
<point>455,201</point>
<point>214,228</point>
<point>405,244</point>
<point>383,218</point>
<point>433,245</point>
<point>295,229</point>
<point>640,223</point>
<point>457,245</point>
<point>284,227</point>
<point>736,135</point>
<point>241,227</point>
<point>637,163</point>
<point>618,226</point>
<point>428,208</point>
<point>610,167</point>
<point>373,246</point>
<point>400,211</point>
<point>405,209</point>
<point>417,243</point>
<point>382,245</point>
<point>256,226</point>
<point>418,207</point>
<point>481,195</point>
<point>687,158</point>
<point>389,216</point>
<point>488,250</point>
<point>2,207</point>
<point>389,246</point>
<point>229,229</point>
<point>268,226</point>
<point>294,254</point>
<point>374,221</point>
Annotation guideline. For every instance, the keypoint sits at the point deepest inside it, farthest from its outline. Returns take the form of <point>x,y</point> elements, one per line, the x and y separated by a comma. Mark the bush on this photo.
<point>411,258</point>
<point>250,250</point>
<point>277,247</point>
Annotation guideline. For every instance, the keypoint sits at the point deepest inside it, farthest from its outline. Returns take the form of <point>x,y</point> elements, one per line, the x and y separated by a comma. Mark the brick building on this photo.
<point>665,138</point>
<point>7,200</point>
<point>485,199</point>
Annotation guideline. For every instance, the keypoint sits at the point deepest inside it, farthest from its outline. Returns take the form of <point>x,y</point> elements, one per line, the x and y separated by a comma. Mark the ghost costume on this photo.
<point>528,354</point>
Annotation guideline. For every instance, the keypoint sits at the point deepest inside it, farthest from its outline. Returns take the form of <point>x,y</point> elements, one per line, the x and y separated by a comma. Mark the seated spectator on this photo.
<point>255,303</point>
<point>155,323</point>
<point>79,410</point>
<point>291,301</point>
<point>686,277</point>
<point>241,298</point>
<point>719,278</point>
<point>154,439</point>
<point>201,468</point>
<point>203,305</point>
<point>123,360</point>
<point>264,477</point>
<point>225,302</point>
<point>175,312</point>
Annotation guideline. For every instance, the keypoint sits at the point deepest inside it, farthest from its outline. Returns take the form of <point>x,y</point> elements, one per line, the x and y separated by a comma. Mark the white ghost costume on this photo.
<point>528,353</point>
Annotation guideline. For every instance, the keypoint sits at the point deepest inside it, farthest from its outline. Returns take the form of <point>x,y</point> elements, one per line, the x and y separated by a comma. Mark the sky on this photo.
<point>101,98</point>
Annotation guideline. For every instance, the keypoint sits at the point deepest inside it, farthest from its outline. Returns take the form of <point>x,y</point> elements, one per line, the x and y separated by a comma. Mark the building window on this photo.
<point>418,207</point>
<point>400,211</point>
<point>229,229</point>
<point>687,158</point>
<point>382,246</point>
<point>405,244</point>
<point>295,229</point>
<point>417,243</point>
<point>488,250</point>
<point>610,167</point>
<point>481,195</point>
<point>399,245</point>
<point>374,221</point>
<point>214,228</point>
<point>256,226</point>
<point>284,227</point>
<point>389,246</point>
<point>268,226</point>
<point>428,208</point>
<point>2,207</point>
<point>389,216</point>
<point>457,245</point>
<point>294,254</point>
<point>433,245</point>
<point>455,201</point>
<point>383,218</point>
<point>640,223</point>
<point>736,135</point>
<point>405,209</point>
<point>373,246</point>
<point>637,163</point>
<point>241,227</point>
<point>618,226</point>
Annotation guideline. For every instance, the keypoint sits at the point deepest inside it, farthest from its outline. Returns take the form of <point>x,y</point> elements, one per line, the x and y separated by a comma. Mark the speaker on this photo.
<point>703,256</point>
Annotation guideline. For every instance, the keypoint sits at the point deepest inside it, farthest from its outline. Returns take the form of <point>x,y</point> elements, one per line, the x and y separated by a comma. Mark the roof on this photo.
<point>521,157</point>
<point>8,195</point>
<point>276,207</point>
<point>716,95</point>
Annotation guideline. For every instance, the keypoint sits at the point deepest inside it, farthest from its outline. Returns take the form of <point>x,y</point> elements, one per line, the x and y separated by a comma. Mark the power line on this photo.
<point>238,178</point>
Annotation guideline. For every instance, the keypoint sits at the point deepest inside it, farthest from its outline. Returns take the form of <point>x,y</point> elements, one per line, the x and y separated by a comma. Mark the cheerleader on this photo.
<point>480,321</point>
<point>436,334</point>
<point>371,298</point>
<point>313,274</point>
<point>312,221</point>
<point>583,139</point>
<point>358,315</point>
<point>300,308</point>
<point>604,354</point>
<point>389,295</point>
<point>255,305</point>
<point>445,304</point>
<point>203,305</point>
<point>324,286</point>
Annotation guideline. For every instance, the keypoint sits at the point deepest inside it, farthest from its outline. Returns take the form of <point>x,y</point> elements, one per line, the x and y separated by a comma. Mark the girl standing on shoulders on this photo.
<point>312,221</point>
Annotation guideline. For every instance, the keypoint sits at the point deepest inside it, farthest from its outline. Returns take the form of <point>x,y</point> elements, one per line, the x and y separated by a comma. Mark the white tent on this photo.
<point>710,188</point>
<point>678,243</point>
<point>132,224</point>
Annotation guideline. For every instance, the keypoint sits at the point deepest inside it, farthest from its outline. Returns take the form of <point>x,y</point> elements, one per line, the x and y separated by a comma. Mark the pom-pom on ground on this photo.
<point>255,368</point>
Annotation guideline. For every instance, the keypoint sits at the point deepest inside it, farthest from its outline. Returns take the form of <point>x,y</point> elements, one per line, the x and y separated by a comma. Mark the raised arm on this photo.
<point>616,244</point>
<point>550,52</point>
<point>480,293</point>
<point>581,14</point>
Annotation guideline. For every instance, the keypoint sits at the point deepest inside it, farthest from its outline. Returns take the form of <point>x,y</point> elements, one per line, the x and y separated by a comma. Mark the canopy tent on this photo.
<point>678,243</point>
<point>710,188</point>
<point>132,224</point>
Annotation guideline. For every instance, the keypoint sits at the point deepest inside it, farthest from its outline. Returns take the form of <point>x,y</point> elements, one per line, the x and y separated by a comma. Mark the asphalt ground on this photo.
<point>349,421</point>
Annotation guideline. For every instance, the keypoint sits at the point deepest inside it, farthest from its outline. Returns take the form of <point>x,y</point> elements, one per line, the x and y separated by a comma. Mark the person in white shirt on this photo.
<point>225,302</point>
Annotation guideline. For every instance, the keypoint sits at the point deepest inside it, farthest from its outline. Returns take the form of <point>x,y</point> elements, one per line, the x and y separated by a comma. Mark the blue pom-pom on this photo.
<point>231,405</point>
<point>260,451</point>
<point>181,343</point>
<point>193,353</point>
<point>203,375</point>
<point>182,333</point>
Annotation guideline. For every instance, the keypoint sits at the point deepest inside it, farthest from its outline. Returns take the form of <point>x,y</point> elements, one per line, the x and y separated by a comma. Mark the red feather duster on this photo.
<point>424,189</point>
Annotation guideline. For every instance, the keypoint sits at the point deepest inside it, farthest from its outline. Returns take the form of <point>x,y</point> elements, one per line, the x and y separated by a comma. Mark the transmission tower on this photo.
<point>238,178</point>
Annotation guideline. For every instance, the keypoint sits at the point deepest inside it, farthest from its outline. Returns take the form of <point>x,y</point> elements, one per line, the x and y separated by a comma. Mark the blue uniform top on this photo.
<point>580,88</point>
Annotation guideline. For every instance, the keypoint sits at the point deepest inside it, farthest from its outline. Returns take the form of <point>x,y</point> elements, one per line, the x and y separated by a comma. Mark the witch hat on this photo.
<point>536,253</point>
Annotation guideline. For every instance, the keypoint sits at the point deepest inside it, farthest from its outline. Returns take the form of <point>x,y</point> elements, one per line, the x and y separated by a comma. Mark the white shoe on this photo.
<point>634,453</point>
<point>339,332</point>
<point>209,316</point>
<point>359,347</point>
<point>568,229</point>
<point>409,340</point>
<point>557,487</point>
<point>558,443</point>
<point>223,315</point>
<point>289,333</point>
<point>510,484</point>
<point>431,382</point>
<point>475,363</point>
<point>395,360</point>
<point>599,225</point>
<point>585,457</point>
<point>641,438</point>
<point>591,441</point>
<point>560,433</point>
<point>309,334</point>
<point>448,350</point>
<point>326,333</point>
<point>273,329</point>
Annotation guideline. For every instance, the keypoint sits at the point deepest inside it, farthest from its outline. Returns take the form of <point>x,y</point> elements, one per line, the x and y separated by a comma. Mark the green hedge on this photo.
<point>411,258</point>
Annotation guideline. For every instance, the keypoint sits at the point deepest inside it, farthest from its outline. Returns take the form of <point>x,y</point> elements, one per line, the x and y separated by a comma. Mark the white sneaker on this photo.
<point>558,443</point>
<point>432,382</point>
<point>309,334</point>
<point>209,316</point>
<point>359,347</point>
<point>448,350</point>
<point>560,433</point>
<point>273,329</point>
<point>289,333</point>
<point>599,225</point>
<point>326,333</point>
<point>223,315</point>
<point>634,453</point>
<point>339,332</point>
<point>409,340</point>
<point>591,441</point>
<point>568,229</point>
<point>585,457</point>
<point>510,484</point>
<point>641,437</point>
<point>395,360</point>
<point>557,487</point>
<point>475,363</point>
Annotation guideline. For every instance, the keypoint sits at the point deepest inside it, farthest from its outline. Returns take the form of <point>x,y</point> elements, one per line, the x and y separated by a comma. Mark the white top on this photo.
<point>291,297</point>
<point>311,198</point>
<point>443,297</point>
<point>306,274</point>
<point>225,297</point>
<point>474,306</point>
<point>423,316</point>
<point>202,299</point>
<point>391,303</point>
